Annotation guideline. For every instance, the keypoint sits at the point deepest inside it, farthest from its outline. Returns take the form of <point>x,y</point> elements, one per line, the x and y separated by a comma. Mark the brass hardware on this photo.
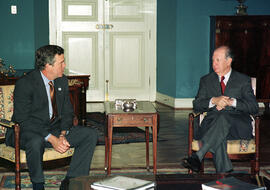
<point>107,91</point>
<point>100,26</point>
<point>108,26</point>
<point>104,26</point>
<point>145,119</point>
<point>119,119</point>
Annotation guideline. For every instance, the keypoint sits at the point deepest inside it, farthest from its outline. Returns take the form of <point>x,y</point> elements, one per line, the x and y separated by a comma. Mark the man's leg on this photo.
<point>215,135</point>
<point>33,145</point>
<point>84,140</point>
<point>217,128</point>
<point>221,159</point>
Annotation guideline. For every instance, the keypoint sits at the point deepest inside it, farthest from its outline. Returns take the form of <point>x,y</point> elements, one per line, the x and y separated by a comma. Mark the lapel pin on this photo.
<point>59,89</point>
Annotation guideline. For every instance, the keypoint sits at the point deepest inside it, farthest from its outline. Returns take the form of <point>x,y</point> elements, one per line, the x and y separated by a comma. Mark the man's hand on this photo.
<point>60,144</point>
<point>221,102</point>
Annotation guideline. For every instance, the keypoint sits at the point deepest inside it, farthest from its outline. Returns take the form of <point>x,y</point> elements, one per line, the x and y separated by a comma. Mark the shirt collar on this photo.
<point>227,76</point>
<point>45,79</point>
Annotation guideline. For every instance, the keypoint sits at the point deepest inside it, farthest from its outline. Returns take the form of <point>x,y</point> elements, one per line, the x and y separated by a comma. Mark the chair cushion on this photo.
<point>8,153</point>
<point>234,146</point>
<point>6,105</point>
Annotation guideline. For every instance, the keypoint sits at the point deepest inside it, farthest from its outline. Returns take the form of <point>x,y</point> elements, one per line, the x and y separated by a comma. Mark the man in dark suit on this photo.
<point>228,112</point>
<point>42,125</point>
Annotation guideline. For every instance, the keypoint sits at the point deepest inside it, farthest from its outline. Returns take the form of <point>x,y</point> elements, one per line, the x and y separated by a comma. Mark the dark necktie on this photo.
<point>53,100</point>
<point>222,84</point>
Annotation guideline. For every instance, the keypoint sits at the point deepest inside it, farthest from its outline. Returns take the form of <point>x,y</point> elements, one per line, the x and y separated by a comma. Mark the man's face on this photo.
<point>221,64</point>
<point>57,69</point>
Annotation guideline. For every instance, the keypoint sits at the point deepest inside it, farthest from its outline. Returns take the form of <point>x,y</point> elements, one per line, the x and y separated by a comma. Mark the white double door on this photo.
<point>114,41</point>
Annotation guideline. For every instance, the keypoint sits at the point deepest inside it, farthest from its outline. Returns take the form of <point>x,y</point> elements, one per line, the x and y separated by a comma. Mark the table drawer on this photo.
<point>132,120</point>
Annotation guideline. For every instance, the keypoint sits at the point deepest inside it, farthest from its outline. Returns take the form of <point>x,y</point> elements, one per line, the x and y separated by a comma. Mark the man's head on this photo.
<point>222,59</point>
<point>50,61</point>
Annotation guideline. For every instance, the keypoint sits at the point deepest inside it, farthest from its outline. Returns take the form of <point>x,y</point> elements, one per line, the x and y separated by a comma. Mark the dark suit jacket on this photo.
<point>238,87</point>
<point>31,108</point>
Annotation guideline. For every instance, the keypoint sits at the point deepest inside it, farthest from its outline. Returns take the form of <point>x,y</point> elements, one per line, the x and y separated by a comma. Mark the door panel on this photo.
<point>83,44</point>
<point>127,66</point>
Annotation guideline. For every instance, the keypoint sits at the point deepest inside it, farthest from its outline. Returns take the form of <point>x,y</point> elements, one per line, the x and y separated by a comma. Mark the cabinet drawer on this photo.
<point>132,120</point>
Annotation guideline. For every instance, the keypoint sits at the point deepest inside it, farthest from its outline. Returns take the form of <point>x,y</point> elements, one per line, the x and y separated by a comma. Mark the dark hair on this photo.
<point>46,54</point>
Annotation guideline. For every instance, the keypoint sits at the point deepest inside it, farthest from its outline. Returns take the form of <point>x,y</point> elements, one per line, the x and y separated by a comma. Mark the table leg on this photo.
<point>155,144</point>
<point>110,130</point>
<point>147,147</point>
<point>106,153</point>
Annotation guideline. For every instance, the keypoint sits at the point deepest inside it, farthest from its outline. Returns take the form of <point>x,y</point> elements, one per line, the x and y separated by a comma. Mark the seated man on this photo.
<point>227,97</point>
<point>43,109</point>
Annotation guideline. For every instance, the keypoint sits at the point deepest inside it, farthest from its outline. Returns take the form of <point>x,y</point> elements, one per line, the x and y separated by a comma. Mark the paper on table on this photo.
<point>123,183</point>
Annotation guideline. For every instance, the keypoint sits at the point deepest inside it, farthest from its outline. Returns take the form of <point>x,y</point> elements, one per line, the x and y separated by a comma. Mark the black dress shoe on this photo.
<point>64,184</point>
<point>38,186</point>
<point>193,163</point>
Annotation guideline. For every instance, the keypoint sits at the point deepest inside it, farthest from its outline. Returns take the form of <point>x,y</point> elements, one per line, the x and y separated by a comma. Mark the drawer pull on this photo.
<point>145,119</point>
<point>119,119</point>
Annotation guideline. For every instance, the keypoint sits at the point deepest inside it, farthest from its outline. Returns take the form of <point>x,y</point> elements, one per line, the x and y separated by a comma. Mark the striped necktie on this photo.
<point>53,100</point>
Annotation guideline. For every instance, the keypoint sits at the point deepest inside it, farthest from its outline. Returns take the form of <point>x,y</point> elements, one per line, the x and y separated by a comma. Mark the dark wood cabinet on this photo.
<point>249,39</point>
<point>78,85</point>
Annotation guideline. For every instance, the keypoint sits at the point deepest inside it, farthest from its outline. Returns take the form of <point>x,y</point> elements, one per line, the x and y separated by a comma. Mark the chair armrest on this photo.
<point>195,114</point>
<point>6,123</point>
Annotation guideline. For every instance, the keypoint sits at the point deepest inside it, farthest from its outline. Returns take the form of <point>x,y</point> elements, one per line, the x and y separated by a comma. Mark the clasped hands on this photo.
<point>222,101</point>
<point>60,144</point>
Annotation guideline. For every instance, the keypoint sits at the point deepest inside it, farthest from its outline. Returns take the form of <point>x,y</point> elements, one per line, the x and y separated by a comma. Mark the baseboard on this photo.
<point>177,103</point>
<point>95,107</point>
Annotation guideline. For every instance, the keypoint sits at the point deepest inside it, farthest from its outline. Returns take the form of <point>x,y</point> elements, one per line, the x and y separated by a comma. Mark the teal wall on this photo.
<point>41,23</point>
<point>166,41</point>
<point>22,33</point>
<point>192,43</point>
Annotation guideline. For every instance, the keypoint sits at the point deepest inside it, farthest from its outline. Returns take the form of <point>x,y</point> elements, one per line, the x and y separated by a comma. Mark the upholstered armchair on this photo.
<point>15,155</point>
<point>236,149</point>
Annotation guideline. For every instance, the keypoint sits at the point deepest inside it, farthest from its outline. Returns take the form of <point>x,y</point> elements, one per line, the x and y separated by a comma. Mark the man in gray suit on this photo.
<point>228,111</point>
<point>42,125</point>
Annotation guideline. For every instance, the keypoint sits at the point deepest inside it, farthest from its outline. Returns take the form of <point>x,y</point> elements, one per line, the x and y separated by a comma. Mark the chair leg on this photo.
<point>255,168</point>
<point>17,157</point>
<point>202,167</point>
<point>252,167</point>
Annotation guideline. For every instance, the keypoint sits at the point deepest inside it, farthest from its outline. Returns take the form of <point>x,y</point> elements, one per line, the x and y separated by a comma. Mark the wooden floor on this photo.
<point>173,128</point>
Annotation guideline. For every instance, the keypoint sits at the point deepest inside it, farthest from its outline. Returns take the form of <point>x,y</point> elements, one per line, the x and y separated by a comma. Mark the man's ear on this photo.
<point>229,60</point>
<point>47,65</point>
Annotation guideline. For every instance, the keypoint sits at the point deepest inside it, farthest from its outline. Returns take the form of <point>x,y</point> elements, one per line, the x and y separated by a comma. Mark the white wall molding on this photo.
<point>174,102</point>
<point>184,103</point>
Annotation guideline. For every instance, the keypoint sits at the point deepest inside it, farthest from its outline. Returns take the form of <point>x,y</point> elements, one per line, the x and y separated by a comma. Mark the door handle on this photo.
<point>108,26</point>
<point>104,26</point>
<point>100,26</point>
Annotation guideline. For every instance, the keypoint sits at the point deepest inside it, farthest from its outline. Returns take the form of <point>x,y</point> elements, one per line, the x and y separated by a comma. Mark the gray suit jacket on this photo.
<point>238,87</point>
<point>31,108</point>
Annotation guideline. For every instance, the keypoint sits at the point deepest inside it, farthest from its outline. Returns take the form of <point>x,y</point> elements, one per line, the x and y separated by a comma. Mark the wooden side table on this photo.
<point>144,115</point>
